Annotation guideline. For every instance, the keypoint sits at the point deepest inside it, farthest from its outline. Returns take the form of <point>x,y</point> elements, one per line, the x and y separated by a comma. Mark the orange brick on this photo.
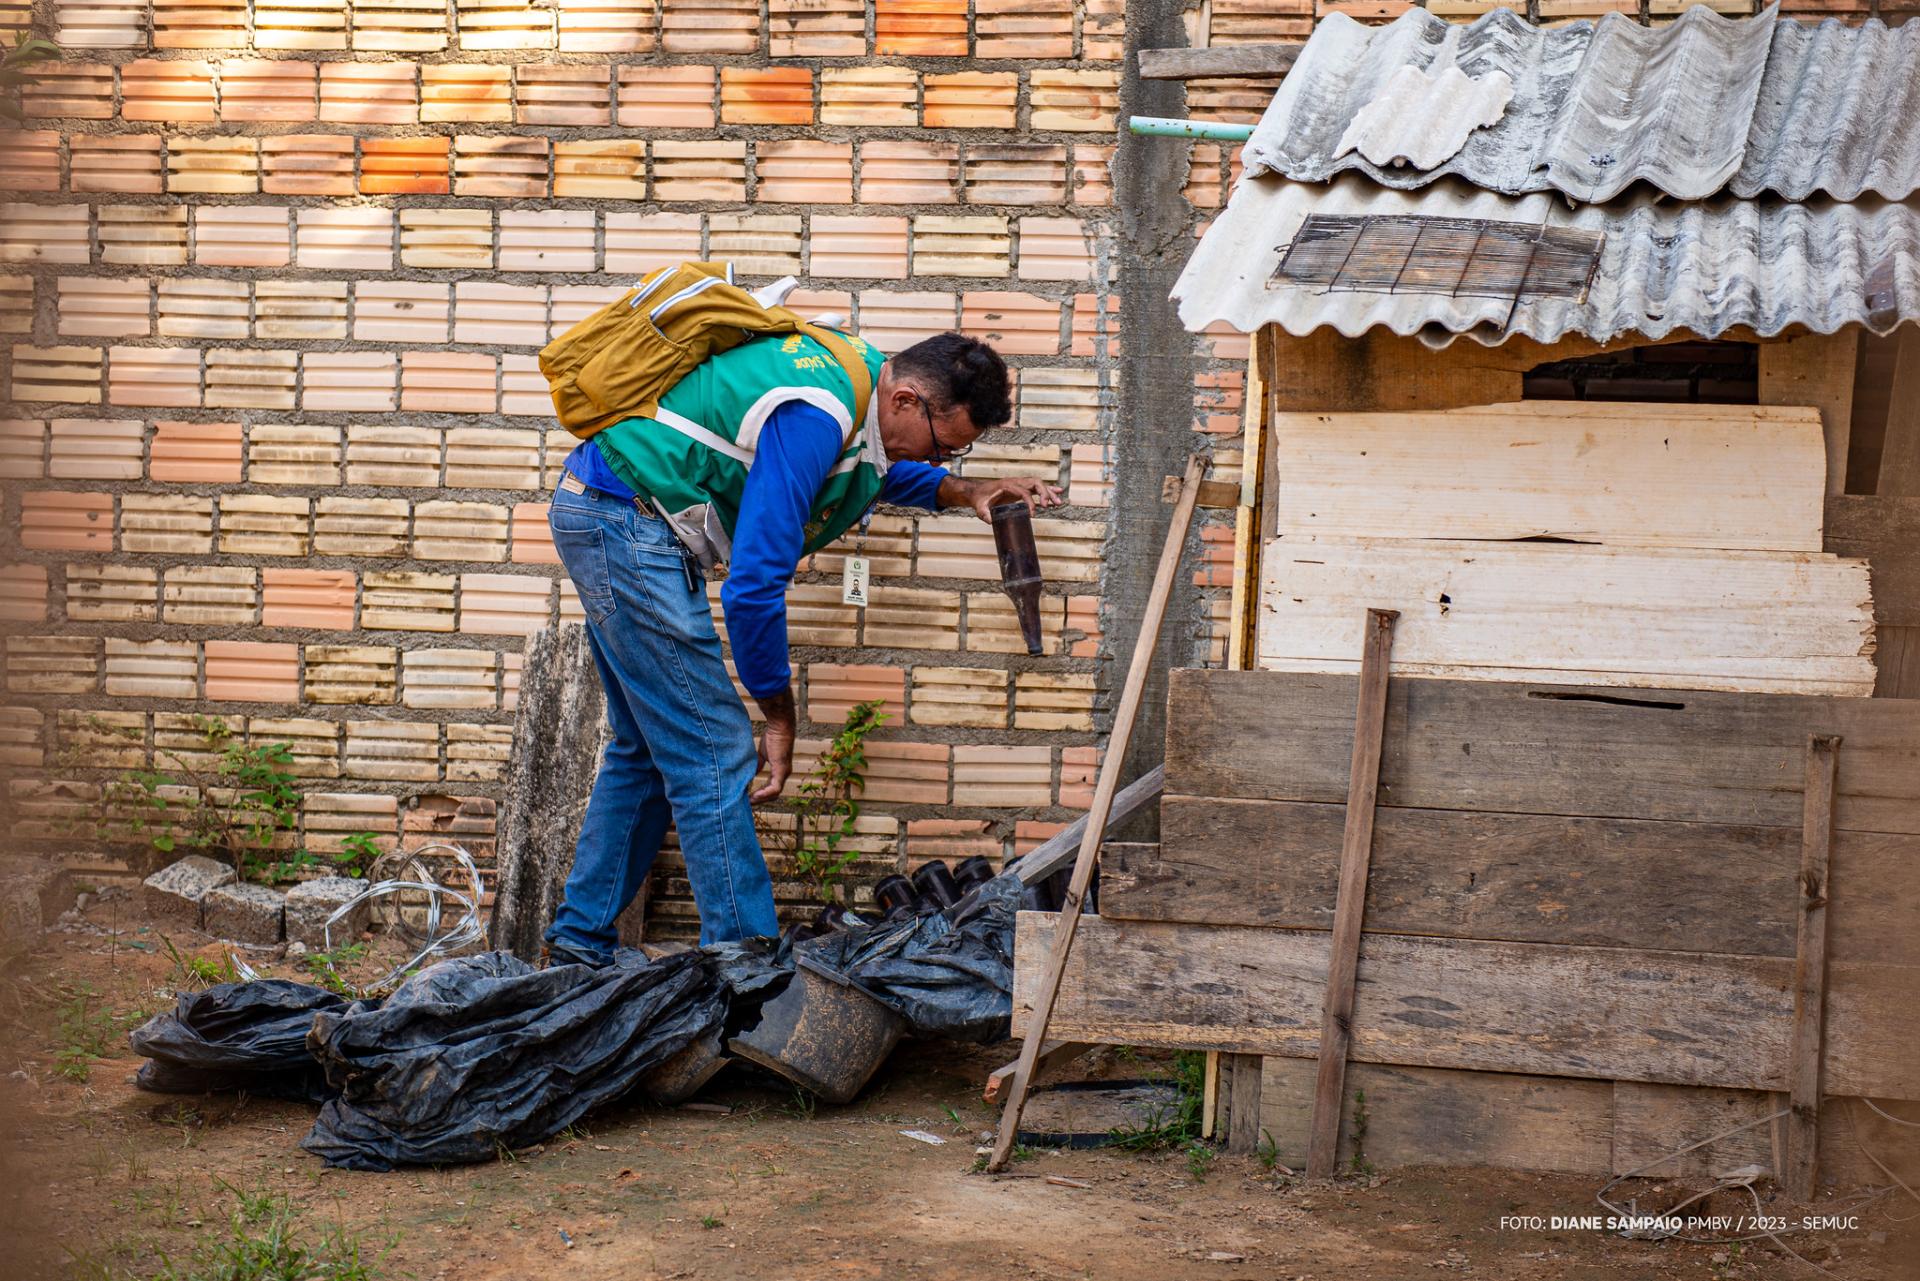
<point>678,97</point>
<point>1092,175</point>
<point>971,100</point>
<point>1240,100</point>
<point>405,166</point>
<point>1221,341</point>
<point>951,839</point>
<point>503,24</point>
<point>195,453</point>
<point>1218,399</point>
<point>1079,771</point>
<point>307,164</point>
<point>400,26</point>
<point>710,26</point>
<point>1216,556</point>
<point>1030,834</point>
<point>869,96</point>
<point>1381,11</point>
<point>609,26</point>
<point>1075,100</point>
<point>547,240</point>
<point>129,162</point>
<point>1016,324</point>
<point>642,242</point>
<point>857,248</point>
<point>1259,21</point>
<point>510,166</point>
<point>179,92</point>
<point>897,320</point>
<point>53,521</point>
<point>448,382</point>
<point>803,171</point>
<point>466,93</point>
<point>384,93</point>
<point>920,28</point>
<point>252,672</point>
<point>1056,249</point>
<point>73,90</point>
<point>600,168</point>
<point>1103,30</point>
<point>199,24</point>
<point>1016,173</point>
<point>1023,28</point>
<point>352,238</point>
<point>1083,626</point>
<point>299,24</point>
<point>545,94</point>
<point>832,689</point>
<point>766,96</point>
<point>279,89</point>
<point>1095,334</point>
<point>399,311</point>
<point>903,173</point>
<point>31,160</point>
<point>532,536</point>
<point>320,598</point>
<point>1002,775</point>
<point>242,236</point>
<point>709,169</point>
<point>226,166</point>
<point>1204,189</point>
<point>816,28</point>
<point>907,773</point>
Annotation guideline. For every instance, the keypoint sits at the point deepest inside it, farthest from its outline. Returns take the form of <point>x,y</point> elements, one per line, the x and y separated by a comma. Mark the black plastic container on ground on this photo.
<point>890,893</point>
<point>970,872</point>
<point>682,1076</point>
<point>822,1033</point>
<point>936,885</point>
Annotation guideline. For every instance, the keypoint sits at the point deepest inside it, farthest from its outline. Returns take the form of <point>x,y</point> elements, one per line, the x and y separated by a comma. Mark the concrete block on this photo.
<point>244,913</point>
<point>310,903</point>
<point>33,893</point>
<point>173,894</point>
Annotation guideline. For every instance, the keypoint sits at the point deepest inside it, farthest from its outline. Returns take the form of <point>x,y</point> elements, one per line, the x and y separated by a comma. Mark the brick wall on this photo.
<point>273,278</point>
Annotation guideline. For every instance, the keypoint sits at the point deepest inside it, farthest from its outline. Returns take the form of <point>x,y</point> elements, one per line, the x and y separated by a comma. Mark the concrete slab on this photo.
<point>244,913</point>
<point>310,903</point>
<point>172,895</point>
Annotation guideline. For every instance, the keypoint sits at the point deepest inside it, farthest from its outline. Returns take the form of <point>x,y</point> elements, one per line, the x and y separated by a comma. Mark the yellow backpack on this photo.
<point>619,362</point>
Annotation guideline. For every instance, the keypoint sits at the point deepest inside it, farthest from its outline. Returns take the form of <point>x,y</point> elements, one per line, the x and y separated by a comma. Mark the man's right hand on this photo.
<point>776,745</point>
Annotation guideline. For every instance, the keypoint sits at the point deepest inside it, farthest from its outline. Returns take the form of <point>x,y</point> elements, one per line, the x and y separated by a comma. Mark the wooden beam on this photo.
<point>1103,794</point>
<point>1522,878</point>
<point>1519,748</point>
<point>1056,1053</point>
<point>1614,1014</point>
<point>1243,1109</point>
<point>1057,851</point>
<point>1219,61</point>
<point>1807,1054</point>
<point>1817,370</point>
<point>1356,852</point>
<point>1214,494</point>
<point>1900,452</point>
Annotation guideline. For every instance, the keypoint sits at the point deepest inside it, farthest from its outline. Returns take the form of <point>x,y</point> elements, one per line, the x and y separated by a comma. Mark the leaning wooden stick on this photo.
<point>1103,793</point>
<point>1349,908</point>
<point>1810,970</point>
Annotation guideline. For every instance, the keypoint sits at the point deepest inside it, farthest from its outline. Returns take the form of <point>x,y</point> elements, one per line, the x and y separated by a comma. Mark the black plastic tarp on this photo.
<point>248,1037</point>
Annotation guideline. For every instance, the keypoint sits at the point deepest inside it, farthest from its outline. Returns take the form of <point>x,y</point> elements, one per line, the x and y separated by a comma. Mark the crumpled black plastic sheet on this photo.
<point>248,1037</point>
<point>949,974</point>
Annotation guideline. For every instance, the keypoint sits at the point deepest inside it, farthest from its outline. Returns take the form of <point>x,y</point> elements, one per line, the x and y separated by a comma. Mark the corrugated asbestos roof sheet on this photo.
<point>1708,267</point>
<point>1758,104</point>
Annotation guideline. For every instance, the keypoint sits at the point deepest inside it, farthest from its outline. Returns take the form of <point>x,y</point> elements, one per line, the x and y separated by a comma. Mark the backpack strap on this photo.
<point>856,368</point>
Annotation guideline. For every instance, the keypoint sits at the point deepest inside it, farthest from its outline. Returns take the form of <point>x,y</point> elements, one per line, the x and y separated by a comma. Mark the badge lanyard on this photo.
<point>853,576</point>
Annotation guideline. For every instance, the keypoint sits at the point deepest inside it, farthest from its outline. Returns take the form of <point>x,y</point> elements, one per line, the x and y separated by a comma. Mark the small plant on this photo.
<point>1359,1134</point>
<point>1199,1160</point>
<point>1174,1125</point>
<point>712,1221</point>
<point>86,1030</point>
<point>219,797</point>
<point>16,70</point>
<point>325,967</point>
<point>802,1106</point>
<point>198,971</point>
<point>826,803</point>
<point>263,1242</point>
<point>1268,1151</point>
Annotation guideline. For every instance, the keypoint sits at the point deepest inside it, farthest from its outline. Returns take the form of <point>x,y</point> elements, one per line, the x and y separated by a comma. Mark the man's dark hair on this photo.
<point>957,370</point>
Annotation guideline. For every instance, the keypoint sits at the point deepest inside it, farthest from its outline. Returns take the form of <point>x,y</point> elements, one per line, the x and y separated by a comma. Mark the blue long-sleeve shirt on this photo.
<point>797,449</point>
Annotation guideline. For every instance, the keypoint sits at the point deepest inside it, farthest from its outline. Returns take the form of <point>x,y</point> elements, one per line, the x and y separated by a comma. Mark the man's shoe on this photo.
<point>554,953</point>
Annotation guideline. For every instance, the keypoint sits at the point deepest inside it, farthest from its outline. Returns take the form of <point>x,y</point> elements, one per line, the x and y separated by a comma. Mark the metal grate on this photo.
<point>1458,257</point>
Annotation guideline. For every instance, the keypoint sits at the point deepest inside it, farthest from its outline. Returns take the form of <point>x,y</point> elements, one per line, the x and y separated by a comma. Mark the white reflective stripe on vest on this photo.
<point>695,432</point>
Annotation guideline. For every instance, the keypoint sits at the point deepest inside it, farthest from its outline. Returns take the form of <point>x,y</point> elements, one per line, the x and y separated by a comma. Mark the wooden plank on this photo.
<point>1781,622</point>
<point>1693,756</point>
<point>1219,61</point>
<point>1898,659</point>
<point>1652,1121</point>
<point>1055,1054</point>
<point>1433,1116</point>
<point>1242,1073</point>
<point>1885,532</point>
<point>1900,449</point>
<point>1217,495</point>
<point>1602,1013</point>
<point>1057,851</point>
<point>1601,882</point>
<point>1807,1054</point>
<point>1350,903</point>
<point>1700,476</point>
<point>1817,370</point>
<point>1061,944</point>
<point>1247,542</point>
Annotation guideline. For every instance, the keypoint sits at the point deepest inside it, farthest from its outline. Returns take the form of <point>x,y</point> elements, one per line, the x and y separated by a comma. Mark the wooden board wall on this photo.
<point>1788,622</point>
<point>1885,531</point>
<point>1602,1013</point>
<point>1705,476</point>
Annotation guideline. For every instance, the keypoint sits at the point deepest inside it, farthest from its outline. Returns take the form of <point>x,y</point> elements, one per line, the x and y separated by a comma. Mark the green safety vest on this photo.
<point>690,458</point>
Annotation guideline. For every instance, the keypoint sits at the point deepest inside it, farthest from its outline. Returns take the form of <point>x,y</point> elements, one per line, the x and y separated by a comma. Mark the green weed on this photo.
<point>86,1030</point>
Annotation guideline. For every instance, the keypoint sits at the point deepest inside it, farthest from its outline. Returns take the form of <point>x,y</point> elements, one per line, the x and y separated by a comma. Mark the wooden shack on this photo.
<point>1640,858</point>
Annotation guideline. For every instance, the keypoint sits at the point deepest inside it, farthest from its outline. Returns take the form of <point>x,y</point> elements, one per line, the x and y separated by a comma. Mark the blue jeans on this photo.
<point>682,746</point>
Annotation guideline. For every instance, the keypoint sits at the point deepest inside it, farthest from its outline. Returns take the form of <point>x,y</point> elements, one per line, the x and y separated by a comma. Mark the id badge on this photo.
<point>853,581</point>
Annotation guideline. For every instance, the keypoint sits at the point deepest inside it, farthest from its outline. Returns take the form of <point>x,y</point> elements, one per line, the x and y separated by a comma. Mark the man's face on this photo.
<point>911,428</point>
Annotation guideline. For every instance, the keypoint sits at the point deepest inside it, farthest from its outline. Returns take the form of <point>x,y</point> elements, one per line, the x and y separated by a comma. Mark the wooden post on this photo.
<point>1356,853</point>
<point>1103,792</point>
<point>1243,1102</point>
<point>1810,969</point>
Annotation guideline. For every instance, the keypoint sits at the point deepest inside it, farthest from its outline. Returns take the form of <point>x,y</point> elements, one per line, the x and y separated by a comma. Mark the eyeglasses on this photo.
<point>941,453</point>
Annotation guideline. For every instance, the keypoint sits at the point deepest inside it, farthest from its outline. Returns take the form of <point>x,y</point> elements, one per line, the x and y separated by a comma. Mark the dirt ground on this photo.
<point>101,1181</point>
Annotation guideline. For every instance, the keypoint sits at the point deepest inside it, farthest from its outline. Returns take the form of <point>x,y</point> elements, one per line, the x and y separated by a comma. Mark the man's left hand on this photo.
<point>984,495</point>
